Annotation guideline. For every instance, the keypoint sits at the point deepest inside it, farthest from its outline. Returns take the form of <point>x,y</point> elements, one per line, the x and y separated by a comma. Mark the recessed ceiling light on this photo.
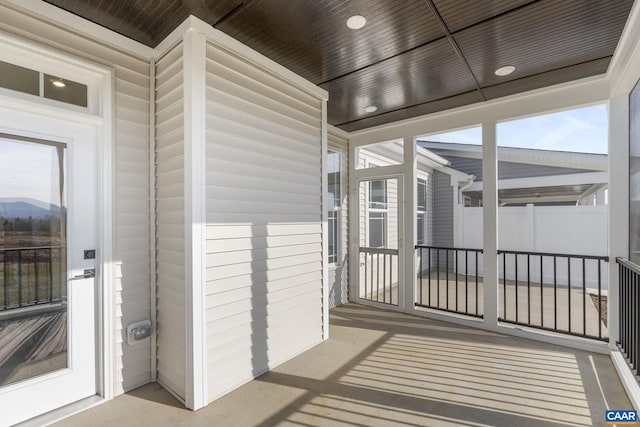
<point>505,71</point>
<point>371,109</point>
<point>58,83</point>
<point>356,22</point>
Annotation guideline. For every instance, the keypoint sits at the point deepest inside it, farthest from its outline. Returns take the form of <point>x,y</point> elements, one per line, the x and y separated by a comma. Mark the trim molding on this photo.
<point>233,46</point>
<point>325,225</point>
<point>629,381</point>
<point>195,73</point>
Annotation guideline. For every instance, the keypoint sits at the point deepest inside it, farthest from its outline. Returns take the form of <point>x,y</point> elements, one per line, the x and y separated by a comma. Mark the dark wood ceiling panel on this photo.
<point>312,39</point>
<point>459,14</point>
<point>430,72</point>
<point>403,61</point>
<point>146,21</point>
<point>413,111</point>
<point>579,71</point>
<point>543,36</point>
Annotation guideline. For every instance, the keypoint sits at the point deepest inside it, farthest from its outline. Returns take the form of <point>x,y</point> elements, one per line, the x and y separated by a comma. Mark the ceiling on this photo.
<point>413,57</point>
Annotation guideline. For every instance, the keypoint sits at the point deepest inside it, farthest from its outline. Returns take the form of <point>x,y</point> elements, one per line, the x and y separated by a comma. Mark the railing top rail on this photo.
<point>30,248</point>
<point>602,258</point>
<point>628,264</point>
<point>448,248</point>
<point>378,251</point>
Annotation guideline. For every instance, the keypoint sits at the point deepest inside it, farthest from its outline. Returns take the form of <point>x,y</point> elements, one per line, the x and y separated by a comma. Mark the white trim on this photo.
<point>108,179</point>
<point>572,94</point>
<point>51,61</point>
<point>629,381</point>
<point>195,217</point>
<point>174,38</point>
<point>490,224</point>
<point>153,283</point>
<point>337,131</point>
<point>547,181</point>
<point>618,180</point>
<point>234,47</point>
<point>456,175</point>
<point>325,226</point>
<point>353,227</point>
<point>563,159</point>
<point>83,27</point>
<point>625,64</point>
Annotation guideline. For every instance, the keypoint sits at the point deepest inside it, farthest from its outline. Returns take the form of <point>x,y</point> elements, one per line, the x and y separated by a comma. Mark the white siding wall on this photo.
<point>170,220</point>
<point>339,276</point>
<point>264,251</point>
<point>131,196</point>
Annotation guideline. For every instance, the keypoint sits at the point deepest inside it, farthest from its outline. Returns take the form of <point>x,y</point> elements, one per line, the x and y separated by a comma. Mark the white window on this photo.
<point>334,186</point>
<point>377,209</point>
<point>421,209</point>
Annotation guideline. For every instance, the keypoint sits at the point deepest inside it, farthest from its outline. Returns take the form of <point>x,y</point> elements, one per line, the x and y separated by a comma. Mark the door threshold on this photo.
<point>64,412</point>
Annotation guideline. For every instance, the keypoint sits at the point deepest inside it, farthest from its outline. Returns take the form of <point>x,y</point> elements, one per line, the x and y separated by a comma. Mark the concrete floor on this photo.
<point>384,368</point>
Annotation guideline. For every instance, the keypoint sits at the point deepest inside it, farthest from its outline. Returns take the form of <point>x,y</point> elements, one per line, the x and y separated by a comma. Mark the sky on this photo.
<point>581,130</point>
<point>29,170</point>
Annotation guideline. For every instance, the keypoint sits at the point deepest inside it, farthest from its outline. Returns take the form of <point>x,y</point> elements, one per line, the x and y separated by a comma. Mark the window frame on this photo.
<point>377,210</point>
<point>422,212</point>
<point>334,259</point>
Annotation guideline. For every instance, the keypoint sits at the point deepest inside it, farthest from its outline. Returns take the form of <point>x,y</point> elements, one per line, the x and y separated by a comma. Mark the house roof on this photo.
<point>548,158</point>
<point>413,57</point>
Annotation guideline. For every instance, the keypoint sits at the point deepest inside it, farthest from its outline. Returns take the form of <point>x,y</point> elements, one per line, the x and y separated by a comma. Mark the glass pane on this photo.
<point>33,306</point>
<point>333,237</point>
<point>19,78</point>
<point>377,229</point>
<point>333,171</point>
<point>378,194</point>
<point>420,228</point>
<point>65,90</point>
<point>422,195</point>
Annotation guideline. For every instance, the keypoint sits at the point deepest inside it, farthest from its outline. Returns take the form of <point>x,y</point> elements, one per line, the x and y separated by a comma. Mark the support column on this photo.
<point>409,233</point>
<point>490,223</point>
<point>618,204</point>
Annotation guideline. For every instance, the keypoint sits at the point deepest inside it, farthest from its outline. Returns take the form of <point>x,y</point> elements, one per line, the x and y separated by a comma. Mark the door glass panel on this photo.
<point>33,267</point>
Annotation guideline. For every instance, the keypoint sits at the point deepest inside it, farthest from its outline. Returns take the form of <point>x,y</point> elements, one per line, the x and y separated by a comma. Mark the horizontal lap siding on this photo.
<point>339,276</point>
<point>131,193</point>
<point>170,220</point>
<point>264,213</point>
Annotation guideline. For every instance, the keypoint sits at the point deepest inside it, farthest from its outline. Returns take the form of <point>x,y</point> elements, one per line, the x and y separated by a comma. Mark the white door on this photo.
<point>380,223</point>
<point>48,228</point>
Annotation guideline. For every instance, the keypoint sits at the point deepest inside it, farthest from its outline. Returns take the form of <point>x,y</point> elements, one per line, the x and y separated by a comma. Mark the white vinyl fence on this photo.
<point>571,230</point>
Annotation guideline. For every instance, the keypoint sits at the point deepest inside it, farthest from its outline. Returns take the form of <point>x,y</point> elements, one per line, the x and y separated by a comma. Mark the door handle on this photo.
<point>89,273</point>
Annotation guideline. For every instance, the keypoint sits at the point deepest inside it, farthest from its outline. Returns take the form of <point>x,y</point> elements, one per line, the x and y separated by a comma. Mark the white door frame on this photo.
<point>356,215</point>
<point>100,114</point>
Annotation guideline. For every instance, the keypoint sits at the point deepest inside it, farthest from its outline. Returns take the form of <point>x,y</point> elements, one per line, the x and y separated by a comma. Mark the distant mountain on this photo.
<point>25,208</point>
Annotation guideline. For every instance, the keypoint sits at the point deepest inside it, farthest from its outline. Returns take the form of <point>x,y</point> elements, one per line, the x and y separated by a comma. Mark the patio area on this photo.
<point>386,368</point>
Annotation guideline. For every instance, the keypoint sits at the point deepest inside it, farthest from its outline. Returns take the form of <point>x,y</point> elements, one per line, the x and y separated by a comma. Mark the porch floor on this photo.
<point>385,368</point>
